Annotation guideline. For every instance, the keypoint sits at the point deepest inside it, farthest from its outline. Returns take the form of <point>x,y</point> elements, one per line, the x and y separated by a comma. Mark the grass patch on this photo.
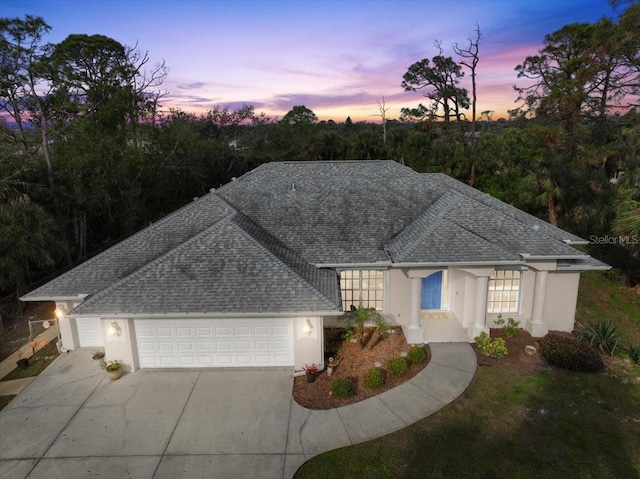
<point>521,424</point>
<point>44,357</point>
<point>601,298</point>
<point>550,423</point>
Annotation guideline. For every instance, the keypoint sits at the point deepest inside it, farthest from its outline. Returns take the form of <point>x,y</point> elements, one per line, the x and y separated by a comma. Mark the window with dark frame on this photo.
<point>362,288</point>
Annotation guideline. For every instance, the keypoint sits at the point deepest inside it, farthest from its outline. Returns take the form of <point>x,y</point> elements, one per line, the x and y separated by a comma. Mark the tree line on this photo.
<point>86,157</point>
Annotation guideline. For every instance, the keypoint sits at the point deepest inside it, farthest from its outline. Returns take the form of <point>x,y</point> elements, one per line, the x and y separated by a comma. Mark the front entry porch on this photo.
<point>443,327</point>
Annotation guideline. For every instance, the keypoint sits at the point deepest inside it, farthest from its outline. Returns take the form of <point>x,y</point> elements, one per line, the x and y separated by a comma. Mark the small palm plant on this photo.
<point>358,316</point>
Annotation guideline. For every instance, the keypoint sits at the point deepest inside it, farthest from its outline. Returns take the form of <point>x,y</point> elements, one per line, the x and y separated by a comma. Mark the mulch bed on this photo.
<point>354,363</point>
<point>516,359</point>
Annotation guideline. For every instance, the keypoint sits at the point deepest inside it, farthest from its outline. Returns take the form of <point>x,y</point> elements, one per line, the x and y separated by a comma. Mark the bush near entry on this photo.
<point>397,366</point>
<point>571,354</point>
<point>417,354</point>
<point>492,347</point>
<point>374,378</point>
<point>342,388</point>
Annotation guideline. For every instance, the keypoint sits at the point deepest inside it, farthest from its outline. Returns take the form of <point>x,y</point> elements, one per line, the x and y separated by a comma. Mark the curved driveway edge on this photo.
<point>446,377</point>
<point>72,422</point>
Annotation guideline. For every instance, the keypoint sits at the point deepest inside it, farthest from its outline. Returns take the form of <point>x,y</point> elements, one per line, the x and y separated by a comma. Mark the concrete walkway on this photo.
<point>73,422</point>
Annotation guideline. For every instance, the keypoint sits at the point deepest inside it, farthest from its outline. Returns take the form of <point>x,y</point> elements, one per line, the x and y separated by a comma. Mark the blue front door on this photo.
<point>432,291</point>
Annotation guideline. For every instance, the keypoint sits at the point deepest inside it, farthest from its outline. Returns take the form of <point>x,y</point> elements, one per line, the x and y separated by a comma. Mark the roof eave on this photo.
<point>376,264</point>
<point>575,242</point>
<point>578,267</point>
<point>528,256</point>
<point>460,264</point>
<point>283,314</point>
<point>27,298</point>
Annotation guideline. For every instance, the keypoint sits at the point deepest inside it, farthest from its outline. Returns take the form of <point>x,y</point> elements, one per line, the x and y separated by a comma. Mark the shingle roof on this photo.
<point>224,269</point>
<point>129,255</point>
<point>332,212</point>
<point>254,245</point>
<point>355,212</point>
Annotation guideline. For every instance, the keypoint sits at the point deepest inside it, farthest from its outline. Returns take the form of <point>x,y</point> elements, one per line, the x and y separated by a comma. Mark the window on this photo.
<point>362,288</point>
<point>504,292</point>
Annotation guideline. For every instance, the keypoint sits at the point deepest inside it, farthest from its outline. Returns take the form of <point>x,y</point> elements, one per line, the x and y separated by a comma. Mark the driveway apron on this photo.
<point>72,421</point>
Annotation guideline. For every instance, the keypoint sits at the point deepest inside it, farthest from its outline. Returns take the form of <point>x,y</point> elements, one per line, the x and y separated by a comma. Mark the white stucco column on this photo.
<point>413,331</point>
<point>536,326</point>
<point>480,309</point>
<point>68,332</point>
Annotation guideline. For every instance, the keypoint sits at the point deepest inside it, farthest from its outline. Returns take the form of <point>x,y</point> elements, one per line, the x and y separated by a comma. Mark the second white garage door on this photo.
<point>89,332</point>
<point>198,343</point>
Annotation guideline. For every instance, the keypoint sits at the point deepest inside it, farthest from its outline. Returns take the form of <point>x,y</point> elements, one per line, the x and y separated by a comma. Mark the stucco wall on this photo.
<point>68,328</point>
<point>560,302</point>
<point>463,294</point>
<point>307,348</point>
<point>120,347</point>
<point>397,307</point>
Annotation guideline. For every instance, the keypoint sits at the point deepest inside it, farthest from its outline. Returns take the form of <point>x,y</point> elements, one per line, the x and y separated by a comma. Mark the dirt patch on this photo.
<point>517,360</point>
<point>354,363</point>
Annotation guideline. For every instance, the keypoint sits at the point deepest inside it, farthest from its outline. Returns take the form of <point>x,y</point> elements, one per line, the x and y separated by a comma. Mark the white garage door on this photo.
<point>197,343</point>
<point>89,332</point>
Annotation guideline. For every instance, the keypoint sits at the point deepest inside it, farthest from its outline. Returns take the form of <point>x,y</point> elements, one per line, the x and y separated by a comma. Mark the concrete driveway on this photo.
<point>72,421</point>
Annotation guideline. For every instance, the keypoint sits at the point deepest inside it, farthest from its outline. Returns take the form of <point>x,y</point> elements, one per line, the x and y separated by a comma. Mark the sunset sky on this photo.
<point>336,57</point>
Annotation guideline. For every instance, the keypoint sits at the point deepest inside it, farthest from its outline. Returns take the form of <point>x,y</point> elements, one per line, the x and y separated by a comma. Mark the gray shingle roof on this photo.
<point>332,212</point>
<point>129,255</point>
<point>350,212</point>
<point>253,245</point>
<point>224,269</point>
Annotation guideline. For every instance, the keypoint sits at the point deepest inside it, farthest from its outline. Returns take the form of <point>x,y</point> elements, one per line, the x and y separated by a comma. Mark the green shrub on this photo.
<point>510,326</point>
<point>417,355</point>
<point>570,353</point>
<point>601,335</point>
<point>342,388</point>
<point>373,378</point>
<point>634,353</point>
<point>397,367</point>
<point>349,335</point>
<point>492,347</point>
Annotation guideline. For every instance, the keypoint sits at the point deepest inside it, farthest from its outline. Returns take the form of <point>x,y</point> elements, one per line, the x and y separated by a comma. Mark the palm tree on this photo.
<point>627,206</point>
<point>357,318</point>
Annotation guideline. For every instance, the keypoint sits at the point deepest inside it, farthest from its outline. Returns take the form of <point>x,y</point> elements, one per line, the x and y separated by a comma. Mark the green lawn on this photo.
<point>43,358</point>
<point>515,424</point>
<point>601,298</point>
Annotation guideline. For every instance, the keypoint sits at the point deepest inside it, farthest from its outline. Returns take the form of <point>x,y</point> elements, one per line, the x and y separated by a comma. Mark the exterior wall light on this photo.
<point>115,329</point>
<point>308,328</point>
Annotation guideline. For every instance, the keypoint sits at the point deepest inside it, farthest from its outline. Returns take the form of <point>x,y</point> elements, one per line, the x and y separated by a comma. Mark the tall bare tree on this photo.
<point>383,109</point>
<point>470,57</point>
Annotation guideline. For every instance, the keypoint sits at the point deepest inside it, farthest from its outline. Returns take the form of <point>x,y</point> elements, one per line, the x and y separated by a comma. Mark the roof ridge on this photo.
<point>493,245</point>
<point>269,250</point>
<point>504,208</point>
<point>434,212</point>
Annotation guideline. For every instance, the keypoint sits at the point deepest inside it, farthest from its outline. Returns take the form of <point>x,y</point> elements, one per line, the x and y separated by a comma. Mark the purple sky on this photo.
<point>337,57</point>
